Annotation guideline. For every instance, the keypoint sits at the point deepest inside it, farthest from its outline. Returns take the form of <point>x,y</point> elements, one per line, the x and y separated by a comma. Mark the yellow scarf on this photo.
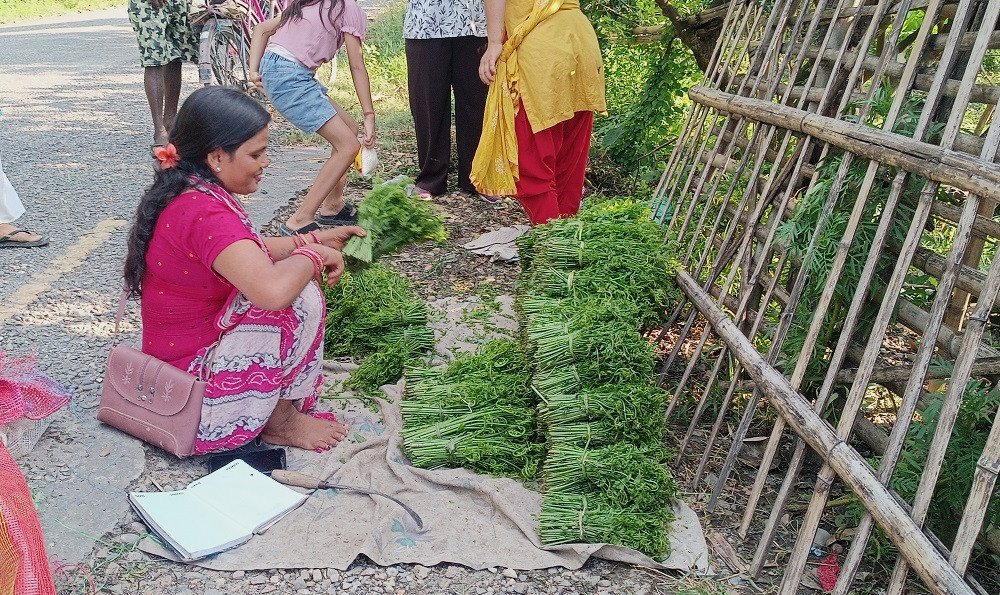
<point>494,168</point>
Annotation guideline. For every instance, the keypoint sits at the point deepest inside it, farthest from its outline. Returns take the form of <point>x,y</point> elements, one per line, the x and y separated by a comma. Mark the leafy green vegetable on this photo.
<point>573,518</point>
<point>392,219</point>
<point>373,314</point>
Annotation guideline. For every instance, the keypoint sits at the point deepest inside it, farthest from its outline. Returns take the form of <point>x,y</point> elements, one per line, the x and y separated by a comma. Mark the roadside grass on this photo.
<point>19,10</point>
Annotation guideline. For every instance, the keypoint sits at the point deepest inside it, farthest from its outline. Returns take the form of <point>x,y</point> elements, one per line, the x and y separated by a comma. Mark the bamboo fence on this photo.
<point>879,113</point>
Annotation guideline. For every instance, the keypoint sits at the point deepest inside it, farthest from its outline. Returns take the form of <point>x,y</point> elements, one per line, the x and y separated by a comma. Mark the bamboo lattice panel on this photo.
<point>833,199</point>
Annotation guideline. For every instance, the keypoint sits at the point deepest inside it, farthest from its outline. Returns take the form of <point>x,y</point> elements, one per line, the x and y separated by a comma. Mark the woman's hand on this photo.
<point>369,139</point>
<point>336,237</point>
<point>488,64</point>
<point>333,263</point>
<point>255,78</point>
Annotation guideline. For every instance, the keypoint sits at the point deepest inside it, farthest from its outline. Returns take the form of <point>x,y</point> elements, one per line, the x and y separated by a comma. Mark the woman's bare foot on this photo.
<point>288,426</point>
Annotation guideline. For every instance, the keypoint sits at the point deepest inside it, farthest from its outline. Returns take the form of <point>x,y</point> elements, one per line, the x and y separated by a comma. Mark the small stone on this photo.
<point>128,538</point>
<point>368,571</point>
<point>134,556</point>
<point>480,591</point>
<point>643,589</point>
<point>275,579</point>
<point>492,569</point>
<point>392,571</point>
<point>736,580</point>
<point>116,589</point>
<point>421,572</point>
<point>317,575</point>
<point>452,572</point>
<point>520,588</point>
<point>102,552</point>
<point>333,574</point>
<point>258,579</point>
<point>444,583</point>
<point>604,583</point>
<point>113,568</point>
<point>299,583</point>
<point>138,528</point>
<point>211,591</point>
<point>105,452</point>
<point>510,573</point>
<point>239,574</point>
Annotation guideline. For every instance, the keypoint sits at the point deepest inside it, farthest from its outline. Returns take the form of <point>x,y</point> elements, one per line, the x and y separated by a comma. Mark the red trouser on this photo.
<point>551,164</point>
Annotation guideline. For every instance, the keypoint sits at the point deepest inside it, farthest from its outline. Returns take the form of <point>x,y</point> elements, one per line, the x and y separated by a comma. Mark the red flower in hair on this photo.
<point>167,155</point>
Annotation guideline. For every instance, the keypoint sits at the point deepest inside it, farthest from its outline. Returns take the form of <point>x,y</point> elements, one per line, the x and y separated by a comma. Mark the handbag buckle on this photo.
<point>139,394</point>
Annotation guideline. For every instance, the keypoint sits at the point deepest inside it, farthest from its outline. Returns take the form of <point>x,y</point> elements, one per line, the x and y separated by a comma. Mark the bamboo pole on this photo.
<point>926,560</point>
<point>787,317</point>
<point>983,366</point>
<point>948,280</point>
<point>821,307</point>
<point>983,481</point>
<point>961,171</point>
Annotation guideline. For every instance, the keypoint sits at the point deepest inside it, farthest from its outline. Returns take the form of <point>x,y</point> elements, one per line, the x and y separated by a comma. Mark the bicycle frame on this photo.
<point>227,29</point>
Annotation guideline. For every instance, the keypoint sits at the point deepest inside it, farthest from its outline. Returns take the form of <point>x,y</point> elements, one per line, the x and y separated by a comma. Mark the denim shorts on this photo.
<point>295,93</point>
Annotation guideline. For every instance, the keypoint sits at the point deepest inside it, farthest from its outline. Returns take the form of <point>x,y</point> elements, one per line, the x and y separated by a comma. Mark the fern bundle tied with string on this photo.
<point>575,518</point>
<point>477,412</point>
<point>392,218</point>
<point>374,314</point>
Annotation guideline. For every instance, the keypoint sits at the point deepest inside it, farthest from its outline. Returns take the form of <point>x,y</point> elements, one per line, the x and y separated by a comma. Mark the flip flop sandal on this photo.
<point>346,216</point>
<point>284,230</point>
<point>7,242</point>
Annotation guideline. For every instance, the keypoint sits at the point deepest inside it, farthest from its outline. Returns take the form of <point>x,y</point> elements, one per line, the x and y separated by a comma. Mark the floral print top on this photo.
<point>434,19</point>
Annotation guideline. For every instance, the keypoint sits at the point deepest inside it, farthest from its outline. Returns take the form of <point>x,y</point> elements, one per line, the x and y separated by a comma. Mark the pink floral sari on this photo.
<point>262,356</point>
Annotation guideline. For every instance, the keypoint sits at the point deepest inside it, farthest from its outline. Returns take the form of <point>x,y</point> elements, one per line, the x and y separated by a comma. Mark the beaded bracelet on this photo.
<point>315,257</point>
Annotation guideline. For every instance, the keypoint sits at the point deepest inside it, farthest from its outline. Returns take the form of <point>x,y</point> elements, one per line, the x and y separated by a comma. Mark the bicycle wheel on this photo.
<point>229,58</point>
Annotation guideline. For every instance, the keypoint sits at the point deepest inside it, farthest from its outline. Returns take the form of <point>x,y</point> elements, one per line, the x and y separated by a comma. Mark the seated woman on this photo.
<point>220,301</point>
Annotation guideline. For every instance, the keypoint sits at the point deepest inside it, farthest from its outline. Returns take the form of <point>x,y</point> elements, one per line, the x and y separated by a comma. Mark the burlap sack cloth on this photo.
<point>474,520</point>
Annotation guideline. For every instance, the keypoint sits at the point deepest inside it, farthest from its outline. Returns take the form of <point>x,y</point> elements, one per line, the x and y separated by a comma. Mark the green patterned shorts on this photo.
<point>165,34</point>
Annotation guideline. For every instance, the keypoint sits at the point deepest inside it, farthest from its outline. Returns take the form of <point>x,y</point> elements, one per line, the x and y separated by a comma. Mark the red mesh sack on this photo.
<point>27,396</point>
<point>24,567</point>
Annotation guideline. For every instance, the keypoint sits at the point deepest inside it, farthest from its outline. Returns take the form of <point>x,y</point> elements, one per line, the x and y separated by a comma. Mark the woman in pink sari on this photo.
<point>221,301</point>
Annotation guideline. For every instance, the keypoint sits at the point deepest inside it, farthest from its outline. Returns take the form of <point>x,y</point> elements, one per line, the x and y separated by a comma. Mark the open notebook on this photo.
<point>217,512</point>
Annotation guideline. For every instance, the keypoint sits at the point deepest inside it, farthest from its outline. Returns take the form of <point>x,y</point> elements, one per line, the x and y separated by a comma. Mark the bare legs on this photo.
<point>288,426</point>
<point>163,91</point>
<point>327,193</point>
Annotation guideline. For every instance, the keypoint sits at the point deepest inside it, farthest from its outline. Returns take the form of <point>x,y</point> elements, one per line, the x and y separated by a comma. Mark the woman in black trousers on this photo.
<point>444,43</point>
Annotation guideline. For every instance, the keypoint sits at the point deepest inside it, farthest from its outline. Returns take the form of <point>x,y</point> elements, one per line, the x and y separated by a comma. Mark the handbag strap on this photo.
<point>121,312</point>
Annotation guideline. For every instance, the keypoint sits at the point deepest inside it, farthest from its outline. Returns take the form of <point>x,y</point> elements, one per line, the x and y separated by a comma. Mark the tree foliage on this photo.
<point>648,70</point>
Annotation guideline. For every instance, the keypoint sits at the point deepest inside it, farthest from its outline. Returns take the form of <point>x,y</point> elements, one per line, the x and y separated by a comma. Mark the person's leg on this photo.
<point>334,201</point>
<point>153,82</point>
<point>536,155</point>
<point>171,94</point>
<point>428,66</point>
<point>470,102</point>
<point>266,374</point>
<point>571,162</point>
<point>345,146</point>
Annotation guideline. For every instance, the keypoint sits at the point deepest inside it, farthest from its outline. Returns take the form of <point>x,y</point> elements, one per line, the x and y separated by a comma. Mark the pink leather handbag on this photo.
<point>150,399</point>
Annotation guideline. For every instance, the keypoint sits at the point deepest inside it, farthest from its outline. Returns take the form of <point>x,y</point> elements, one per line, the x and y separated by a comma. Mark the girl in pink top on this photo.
<point>218,300</point>
<point>284,55</point>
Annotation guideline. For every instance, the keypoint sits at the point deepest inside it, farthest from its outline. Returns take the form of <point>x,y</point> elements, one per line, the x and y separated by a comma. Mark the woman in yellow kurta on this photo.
<point>544,67</point>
